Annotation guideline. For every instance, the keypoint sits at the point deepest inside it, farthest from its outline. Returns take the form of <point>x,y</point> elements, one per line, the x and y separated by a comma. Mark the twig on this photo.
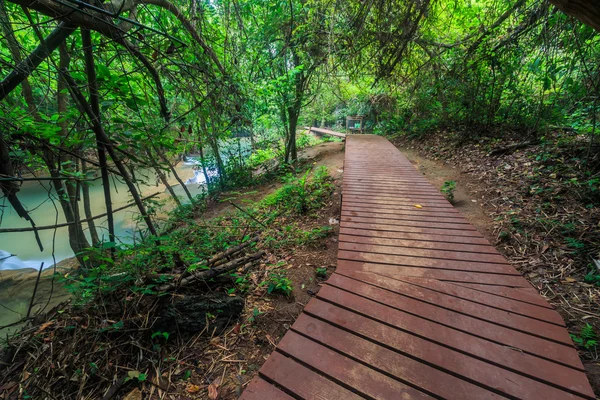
<point>37,282</point>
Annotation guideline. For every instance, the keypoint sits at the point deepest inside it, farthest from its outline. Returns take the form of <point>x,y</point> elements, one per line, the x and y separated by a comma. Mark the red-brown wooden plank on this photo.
<point>420,252</point>
<point>484,372</point>
<point>504,356</point>
<point>295,378</point>
<point>409,229</point>
<point>406,261</point>
<point>493,324</point>
<point>357,376</point>
<point>259,389</point>
<point>404,368</point>
<point>418,244</point>
<point>388,234</point>
<point>419,219</point>
<point>396,212</point>
<point>436,273</point>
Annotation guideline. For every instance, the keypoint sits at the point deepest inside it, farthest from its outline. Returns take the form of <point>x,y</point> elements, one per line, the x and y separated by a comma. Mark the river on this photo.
<point>40,199</point>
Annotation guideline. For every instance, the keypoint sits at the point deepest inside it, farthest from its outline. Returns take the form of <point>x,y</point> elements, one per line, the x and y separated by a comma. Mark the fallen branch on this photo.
<point>231,251</point>
<point>213,272</point>
<point>509,149</point>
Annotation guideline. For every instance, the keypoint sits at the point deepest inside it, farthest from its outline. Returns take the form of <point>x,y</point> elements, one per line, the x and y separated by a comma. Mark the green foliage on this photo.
<point>299,196</point>
<point>448,189</point>
<point>321,272</point>
<point>593,276</point>
<point>587,338</point>
<point>278,282</point>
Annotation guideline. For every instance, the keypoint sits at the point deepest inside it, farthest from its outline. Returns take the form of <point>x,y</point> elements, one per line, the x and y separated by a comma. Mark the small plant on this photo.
<point>279,282</point>
<point>587,338</point>
<point>593,276</point>
<point>321,272</point>
<point>574,243</point>
<point>448,189</point>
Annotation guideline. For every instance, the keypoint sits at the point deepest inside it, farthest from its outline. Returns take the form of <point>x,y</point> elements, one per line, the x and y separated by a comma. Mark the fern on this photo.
<point>587,338</point>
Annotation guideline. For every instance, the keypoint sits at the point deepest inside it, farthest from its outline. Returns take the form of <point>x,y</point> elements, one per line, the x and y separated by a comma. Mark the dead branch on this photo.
<point>231,251</point>
<point>211,273</point>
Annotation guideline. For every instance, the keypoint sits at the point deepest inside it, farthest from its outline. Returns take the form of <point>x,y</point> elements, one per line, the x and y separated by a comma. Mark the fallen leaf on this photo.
<point>418,206</point>
<point>194,388</point>
<point>570,280</point>
<point>44,326</point>
<point>213,389</point>
<point>135,394</point>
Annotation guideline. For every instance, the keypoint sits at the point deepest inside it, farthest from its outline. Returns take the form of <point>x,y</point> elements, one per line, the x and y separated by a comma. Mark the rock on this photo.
<point>190,314</point>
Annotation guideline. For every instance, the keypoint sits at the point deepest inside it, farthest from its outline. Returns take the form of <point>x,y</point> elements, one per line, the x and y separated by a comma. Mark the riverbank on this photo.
<point>212,353</point>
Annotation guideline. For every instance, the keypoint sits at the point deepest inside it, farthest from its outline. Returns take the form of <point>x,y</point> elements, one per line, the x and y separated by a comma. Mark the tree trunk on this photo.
<point>87,208</point>
<point>67,191</point>
<point>90,70</point>
<point>163,178</point>
<point>102,137</point>
<point>175,174</point>
<point>293,114</point>
<point>587,11</point>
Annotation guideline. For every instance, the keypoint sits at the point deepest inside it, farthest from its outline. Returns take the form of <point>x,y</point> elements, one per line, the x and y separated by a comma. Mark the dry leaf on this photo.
<point>135,394</point>
<point>44,326</point>
<point>418,206</point>
<point>193,388</point>
<point>213,389</point>
<point>570,280</point>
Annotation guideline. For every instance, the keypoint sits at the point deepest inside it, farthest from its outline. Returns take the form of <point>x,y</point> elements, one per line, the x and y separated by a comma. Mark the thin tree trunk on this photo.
<point>87,208</point>
<point>95,105</point>
<point>175,174</point>
<point>163,178</point>
<point>67,191</point>
<point>102,137</point>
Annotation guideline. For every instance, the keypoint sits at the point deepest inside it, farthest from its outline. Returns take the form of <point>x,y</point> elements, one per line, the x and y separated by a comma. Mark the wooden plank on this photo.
<point>358,230</point>
<point>423,253</point>
<point>418,244</point>
<point>360,378</point>
<point>293,376</point>
<point>401,367</point>
<point>432,201</point>
<point>493,324</point>
<point>407,261</point>
<point>364,202</point>
<point>395,213</point>
<point>401,212</point>
<point>485,372</point>
<point>523,364</point>
<point>405,217</point>
<point>259,389</point>
<point>412,223</point>
<point>447,275</point>
<point>395,202</point>
<point>409,229</point>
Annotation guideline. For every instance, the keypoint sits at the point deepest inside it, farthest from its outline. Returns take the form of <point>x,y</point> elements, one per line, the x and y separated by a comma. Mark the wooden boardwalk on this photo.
<point>420,306</point>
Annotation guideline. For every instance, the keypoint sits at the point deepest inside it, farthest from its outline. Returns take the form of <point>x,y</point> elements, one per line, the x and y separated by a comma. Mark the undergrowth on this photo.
<point>109,336</point>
